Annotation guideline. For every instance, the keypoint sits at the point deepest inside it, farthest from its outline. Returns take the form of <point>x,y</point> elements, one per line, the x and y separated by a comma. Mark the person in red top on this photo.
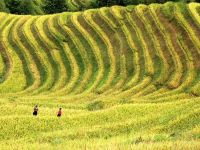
<point>35,110</point>
<point>59,112</point>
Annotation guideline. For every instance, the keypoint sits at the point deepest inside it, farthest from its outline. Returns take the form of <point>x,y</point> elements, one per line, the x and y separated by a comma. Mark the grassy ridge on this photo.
<point>126,78</point>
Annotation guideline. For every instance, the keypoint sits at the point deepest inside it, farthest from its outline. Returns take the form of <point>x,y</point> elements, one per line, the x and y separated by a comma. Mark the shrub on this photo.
<point>55,6</point>
<point>3,7</point>
<point>19,6</point>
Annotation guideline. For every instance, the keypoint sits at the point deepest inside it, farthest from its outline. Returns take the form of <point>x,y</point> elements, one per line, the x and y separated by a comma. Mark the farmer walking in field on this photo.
<point>59,112</point>
<point>35,111</point>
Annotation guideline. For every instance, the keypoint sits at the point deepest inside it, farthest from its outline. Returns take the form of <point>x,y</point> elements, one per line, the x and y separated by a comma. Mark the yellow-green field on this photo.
<point>126,78</point>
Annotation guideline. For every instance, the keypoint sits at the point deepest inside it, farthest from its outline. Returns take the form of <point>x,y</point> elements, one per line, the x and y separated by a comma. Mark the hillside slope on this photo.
<point>144,61</point>
<point>134,51</point>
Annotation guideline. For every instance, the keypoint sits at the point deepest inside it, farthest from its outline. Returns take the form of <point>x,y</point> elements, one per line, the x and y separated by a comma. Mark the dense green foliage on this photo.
<point>3,7</point>
<point>37,7</point>
<point>135,2</point>
<point>55,6</point>
<point>19,6</point>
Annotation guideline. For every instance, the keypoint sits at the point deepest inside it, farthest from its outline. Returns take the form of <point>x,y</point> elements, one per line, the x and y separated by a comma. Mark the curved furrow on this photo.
<point>126,64</point>
<point>32,41</point>
<point>127,48</point>
<point>139,58</point>
<point>163,24</point>
<point>4,57</point>
<point>154,51</point>
<point>134,88</point>
<point>146,18</point>
<point>58,54</point>
<point>166,47</point>
<point>192,8</point>
<point>111,36</point>
<point>163,49</point>
<point>194,12</point>
<point>149,68</point>
<point>30,68</point>
<point>120,72</point>
<point>189,71</point>
<point>175,81</point>
<point>110,33</point>
<point>146,50</point>
<point>77,57</point>
<point>190,53</point>
<point>89,24</point>
<point>192,24</point>
<point>23,33</point>
<point>38,30</point>
<point>2,66</point>
<point>148,45</point>
<point>84,29</point>
<point>92,64</point>
<point>90,16</point>
<point>86,74</point>
<point>75,72</point>
<point>135,45</point>
<point>193,19</point>
<point>74,47</point>
<point>16,43</point>
<point>139,74</point>
<point>189,24</point>
<point>130,51</point>
<point>16,66</point>
<point>71,66</point>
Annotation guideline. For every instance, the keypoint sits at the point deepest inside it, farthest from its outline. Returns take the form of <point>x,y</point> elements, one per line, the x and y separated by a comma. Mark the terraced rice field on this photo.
<point>126,78</point>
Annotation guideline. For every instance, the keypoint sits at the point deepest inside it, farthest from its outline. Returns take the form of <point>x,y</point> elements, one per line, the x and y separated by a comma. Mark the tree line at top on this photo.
<point>57,6</point>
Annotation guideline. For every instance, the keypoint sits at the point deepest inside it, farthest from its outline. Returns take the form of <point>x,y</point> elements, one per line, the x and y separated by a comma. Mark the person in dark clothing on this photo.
<point>35,111</point>
<point>59,112</point>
